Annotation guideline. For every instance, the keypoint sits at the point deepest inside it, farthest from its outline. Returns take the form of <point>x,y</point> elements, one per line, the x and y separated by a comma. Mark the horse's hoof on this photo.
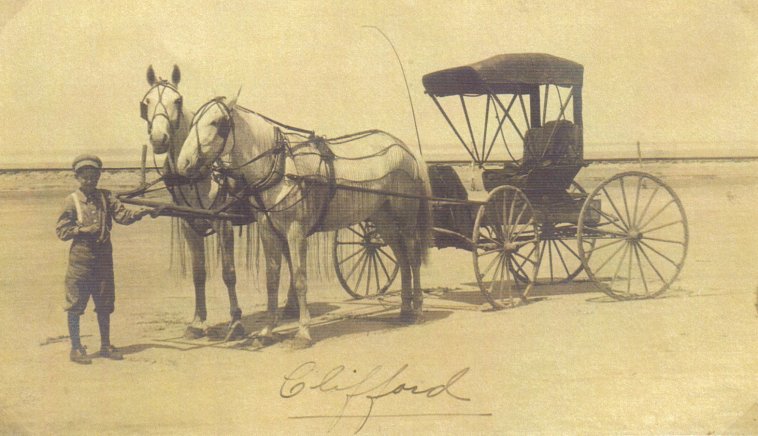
<point>290,312</point>
<point>194,333</point>
<point>235,331</point>
<point>407,317</point>
<point>300,343</point>
<point>263,341</point>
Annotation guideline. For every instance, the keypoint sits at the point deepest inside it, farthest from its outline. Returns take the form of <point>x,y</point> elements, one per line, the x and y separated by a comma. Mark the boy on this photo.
<point>87,219</point>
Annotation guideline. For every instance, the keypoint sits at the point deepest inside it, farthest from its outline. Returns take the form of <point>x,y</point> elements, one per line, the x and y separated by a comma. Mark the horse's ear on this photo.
<point>233,102</point>
<point>150,76</point>
<point>176,75</point>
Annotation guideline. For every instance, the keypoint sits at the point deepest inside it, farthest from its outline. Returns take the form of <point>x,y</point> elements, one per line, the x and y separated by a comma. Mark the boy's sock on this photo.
<point>73,330</point>
<point>104,321</point>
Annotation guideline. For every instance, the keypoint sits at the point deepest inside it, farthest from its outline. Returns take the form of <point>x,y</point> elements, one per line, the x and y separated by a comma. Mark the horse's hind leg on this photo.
<point>291,308</point>
<point>272,250</point>
<point>196,246</point>
<point>299,249</point>
<point>226,239</point>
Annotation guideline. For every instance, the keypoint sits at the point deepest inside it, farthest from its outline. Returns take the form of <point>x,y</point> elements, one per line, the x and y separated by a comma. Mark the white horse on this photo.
<point>168,122</point>
<point>294,186</point>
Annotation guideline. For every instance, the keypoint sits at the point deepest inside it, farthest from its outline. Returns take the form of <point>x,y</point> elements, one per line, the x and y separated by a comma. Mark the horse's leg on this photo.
<point>225,233</point>
<point>291,308</point>
<point>299,250</point>
<point>272,251</point>
<point>387,228</point>
<point>197,254</point>
<point>415,265</point>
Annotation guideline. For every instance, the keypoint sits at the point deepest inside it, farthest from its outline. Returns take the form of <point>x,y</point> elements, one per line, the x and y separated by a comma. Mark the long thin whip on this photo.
<point>407,88</point>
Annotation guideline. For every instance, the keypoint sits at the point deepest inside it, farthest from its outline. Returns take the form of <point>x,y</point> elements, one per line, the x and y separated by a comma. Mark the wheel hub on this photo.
<point>634,235</point>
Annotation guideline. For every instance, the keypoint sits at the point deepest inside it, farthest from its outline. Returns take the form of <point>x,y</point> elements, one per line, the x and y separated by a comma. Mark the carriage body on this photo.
<point>519,118</point>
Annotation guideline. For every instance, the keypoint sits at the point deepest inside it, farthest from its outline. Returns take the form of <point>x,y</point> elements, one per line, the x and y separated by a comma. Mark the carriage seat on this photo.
<point>555,142</point>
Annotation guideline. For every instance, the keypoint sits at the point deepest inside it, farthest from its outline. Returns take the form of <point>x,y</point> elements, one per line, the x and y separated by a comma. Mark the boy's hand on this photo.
<point>90,229</point>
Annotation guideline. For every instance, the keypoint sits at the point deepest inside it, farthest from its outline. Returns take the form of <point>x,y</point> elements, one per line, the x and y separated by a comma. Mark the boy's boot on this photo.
<point>106,349</point>
<point>78,352</point>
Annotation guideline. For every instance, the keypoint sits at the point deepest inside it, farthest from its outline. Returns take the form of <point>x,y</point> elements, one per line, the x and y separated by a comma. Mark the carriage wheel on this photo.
<point>364,263</point>
<point>505,226</point>
<point>641,232</point>
<point>558,251</point>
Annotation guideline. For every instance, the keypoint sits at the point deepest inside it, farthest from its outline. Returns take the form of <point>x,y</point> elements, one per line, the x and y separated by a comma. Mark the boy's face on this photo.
<point>88,178</point>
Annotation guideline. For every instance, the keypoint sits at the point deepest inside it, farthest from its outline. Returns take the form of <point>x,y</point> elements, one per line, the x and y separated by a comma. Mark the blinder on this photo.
<point>143,110</point>
<point>224,125</point>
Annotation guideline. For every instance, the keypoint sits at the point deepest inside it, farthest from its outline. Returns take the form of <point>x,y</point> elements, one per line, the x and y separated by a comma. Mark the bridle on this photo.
<point>160,107</point>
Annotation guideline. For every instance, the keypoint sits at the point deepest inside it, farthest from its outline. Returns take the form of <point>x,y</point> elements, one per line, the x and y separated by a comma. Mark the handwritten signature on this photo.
<point>372,386</point>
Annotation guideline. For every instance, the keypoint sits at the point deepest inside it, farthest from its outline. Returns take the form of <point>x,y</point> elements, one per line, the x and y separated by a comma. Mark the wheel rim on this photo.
<point>642,236</point>
<point>504,227</point>
<point>365,265</point>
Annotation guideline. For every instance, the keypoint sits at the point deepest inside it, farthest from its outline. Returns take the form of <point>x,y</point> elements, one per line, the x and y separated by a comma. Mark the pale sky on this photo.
<point>73,72</point>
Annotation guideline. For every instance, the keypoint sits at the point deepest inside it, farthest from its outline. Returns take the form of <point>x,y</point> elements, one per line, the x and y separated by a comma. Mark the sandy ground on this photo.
<point>573,362</point>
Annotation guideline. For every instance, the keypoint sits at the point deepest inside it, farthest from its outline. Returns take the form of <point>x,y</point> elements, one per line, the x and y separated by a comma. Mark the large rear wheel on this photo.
<point>364,263</point>
<point>641,236</point>
<point>506,243</point>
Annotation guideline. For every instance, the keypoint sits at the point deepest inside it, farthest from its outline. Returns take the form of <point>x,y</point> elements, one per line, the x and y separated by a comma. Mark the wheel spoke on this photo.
<point>363,269</point>
<point>609,258</point>
<point>381,250</point>
<point>384,268</point>
<point>522,228</point>
<point>636,200</point>
<point>522,243</point>
<point>494,275</point>
<point>649,202</point>
<point>369,263</point>
<point>560,256</point>
<point>629,271</point>
<point>569,248</point>
<point>356,232</point>
<point>350,243</point>
<point>642,273</point>
<point>670,241</point>
<point>658,213</point>
<point>659,253</point>
<point>652,265</point>
<point>611,219</point>
<point>358,262</point>
<point>521,213</point>
<point>661,226</point>
<point>615,241</point>
<point>618,267</point>
<point>361,252</point>
<point>376,272</point>
<point>613,205</point>
<point>550,259</point>
<point>626,203</point>
<point>526,259</point>
<point>492,262</point>
<point>608,232</point>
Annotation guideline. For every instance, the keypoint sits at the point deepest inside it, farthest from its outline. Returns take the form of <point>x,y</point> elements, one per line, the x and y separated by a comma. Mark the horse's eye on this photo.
<point>179,102</point>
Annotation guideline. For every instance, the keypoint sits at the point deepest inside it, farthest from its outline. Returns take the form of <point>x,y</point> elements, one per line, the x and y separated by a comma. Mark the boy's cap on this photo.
<point>87,160</point>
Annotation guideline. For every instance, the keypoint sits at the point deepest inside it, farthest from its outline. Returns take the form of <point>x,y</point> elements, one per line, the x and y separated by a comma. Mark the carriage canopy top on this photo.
<point>505,74</point>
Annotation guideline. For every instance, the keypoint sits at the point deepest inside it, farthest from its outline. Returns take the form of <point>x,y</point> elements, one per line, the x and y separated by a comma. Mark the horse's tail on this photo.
<point>424,221</point>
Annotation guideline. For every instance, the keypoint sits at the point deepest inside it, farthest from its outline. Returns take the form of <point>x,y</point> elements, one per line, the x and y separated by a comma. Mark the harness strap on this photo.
<point>78,207</point>
<point>327,158</point>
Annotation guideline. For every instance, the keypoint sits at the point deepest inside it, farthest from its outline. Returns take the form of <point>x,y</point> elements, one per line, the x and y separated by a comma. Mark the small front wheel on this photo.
<point>364,263</point>
<point>505,246</point>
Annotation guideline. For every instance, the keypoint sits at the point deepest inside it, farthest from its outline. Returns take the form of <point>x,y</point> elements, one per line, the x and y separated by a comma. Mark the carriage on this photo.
<point>516,205</point>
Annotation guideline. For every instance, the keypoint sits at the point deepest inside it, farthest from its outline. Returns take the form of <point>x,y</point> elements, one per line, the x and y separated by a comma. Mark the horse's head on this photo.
<point>161,107</point>
<point>207,140</point>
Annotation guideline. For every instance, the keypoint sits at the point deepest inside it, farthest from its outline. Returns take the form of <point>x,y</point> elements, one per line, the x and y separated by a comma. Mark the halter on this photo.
<point>162,85</point>
<point>223,170</point>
